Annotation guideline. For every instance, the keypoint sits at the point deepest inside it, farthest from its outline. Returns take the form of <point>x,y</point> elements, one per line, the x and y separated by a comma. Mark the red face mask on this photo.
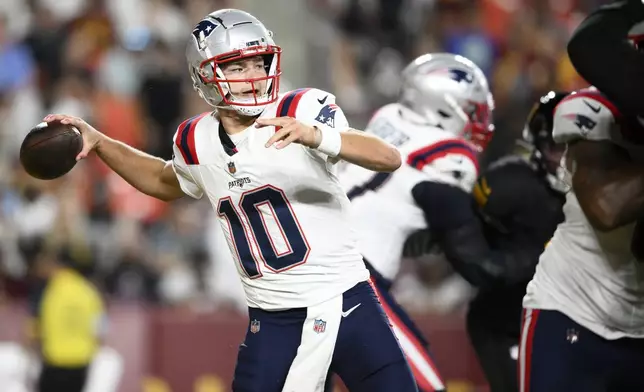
<point>479,128</point>
<point>210,73</point>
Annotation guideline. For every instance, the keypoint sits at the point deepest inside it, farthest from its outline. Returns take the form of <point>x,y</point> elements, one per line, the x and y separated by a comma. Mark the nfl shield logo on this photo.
<point>254,326</point>
<point>319,326</point>
<point>231,167</point>
<point>572,336</point>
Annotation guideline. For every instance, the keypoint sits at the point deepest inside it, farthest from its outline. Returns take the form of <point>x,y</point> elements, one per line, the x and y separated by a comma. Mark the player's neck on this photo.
<point>234,122</point>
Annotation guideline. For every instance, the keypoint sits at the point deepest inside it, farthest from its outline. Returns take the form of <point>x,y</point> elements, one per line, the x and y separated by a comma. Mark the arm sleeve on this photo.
<point>600,52</point>
<point>451,217</point>
<point>318,108</point>
<point>182,170</point>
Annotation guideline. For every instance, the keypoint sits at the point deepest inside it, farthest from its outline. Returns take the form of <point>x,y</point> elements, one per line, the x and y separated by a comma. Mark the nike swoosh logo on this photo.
<point>348,312</point>
<point>595,109</point>
<point>323,100</point>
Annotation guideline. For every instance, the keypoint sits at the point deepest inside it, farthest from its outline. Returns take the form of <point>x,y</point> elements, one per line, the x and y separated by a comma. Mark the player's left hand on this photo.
<point>291,131</point>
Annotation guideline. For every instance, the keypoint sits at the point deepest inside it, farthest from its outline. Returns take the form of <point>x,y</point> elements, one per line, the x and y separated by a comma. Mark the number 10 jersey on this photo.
<point>283,213</point>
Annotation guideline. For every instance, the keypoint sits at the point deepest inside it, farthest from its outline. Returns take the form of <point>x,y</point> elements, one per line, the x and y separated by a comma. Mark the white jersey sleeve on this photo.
<point>585,114</point>
<point>316,107</point>
<point>447,160</point>
<point>183,156</point>
<point>433,151</point>
<point>319,107</point>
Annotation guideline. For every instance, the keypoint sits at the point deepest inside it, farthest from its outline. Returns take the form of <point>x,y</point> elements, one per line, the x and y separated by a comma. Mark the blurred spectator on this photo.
<point>74,94</point>
<point>132,279</point>
<point>17,17</point>
<point>466,36</point>
<point>162,88</point>
<point>91,34</point>
<point>15,60</point>
<point>68,321</point>
<point>19,101</point>
<point>46,41</point>
<point>62,10</point>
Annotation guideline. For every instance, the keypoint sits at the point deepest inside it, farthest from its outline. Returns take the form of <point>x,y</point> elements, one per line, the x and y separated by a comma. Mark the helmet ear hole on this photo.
<point>268,60</point>
<point>197,75</point>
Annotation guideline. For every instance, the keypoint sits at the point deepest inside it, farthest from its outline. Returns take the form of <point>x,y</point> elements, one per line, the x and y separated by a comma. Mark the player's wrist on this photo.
<point>328,140</point>
<point>98,141</point>
<point>317,138</point>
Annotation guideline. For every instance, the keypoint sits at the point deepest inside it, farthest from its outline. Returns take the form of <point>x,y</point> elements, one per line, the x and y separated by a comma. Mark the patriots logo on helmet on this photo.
<point>585,124</point>
<point>327,115</point>
<point>461,76</point>
<point>458,75</point>
<point>202,30</point>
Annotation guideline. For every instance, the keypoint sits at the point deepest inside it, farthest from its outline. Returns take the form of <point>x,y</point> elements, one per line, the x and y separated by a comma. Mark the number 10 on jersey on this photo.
<point>249,228</point>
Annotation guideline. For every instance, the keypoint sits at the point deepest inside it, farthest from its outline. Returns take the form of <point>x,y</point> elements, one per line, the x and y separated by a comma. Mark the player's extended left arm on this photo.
<point>368,151</point>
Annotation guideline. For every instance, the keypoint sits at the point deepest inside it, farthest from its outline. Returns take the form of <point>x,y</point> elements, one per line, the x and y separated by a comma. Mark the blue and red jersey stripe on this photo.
<point>185,140</point>
<point>288,105</point>
<point>427,155</point>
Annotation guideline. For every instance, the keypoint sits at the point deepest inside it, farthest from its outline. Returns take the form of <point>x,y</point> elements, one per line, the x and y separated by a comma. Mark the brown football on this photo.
<point>50,149</point>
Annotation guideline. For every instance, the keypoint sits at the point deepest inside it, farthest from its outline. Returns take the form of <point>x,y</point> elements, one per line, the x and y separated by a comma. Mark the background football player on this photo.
<point>584,308</point>
<point>495,242</point>
<point>440,124</point>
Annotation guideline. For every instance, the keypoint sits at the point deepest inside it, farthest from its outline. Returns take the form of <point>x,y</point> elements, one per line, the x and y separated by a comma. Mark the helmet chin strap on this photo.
<point>254,110</point>
<point>250,111</point>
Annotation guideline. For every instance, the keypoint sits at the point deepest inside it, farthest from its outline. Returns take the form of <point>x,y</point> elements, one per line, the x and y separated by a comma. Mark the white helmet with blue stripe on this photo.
<point>451,91</point>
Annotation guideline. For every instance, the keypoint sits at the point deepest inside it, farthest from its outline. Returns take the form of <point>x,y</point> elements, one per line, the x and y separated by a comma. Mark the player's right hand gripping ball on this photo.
<point>50,149</point>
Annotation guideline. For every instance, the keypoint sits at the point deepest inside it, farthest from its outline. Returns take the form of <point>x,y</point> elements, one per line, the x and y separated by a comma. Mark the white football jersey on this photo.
<point>589,275</point>
<point>383,209</point>
<point>283,212</point>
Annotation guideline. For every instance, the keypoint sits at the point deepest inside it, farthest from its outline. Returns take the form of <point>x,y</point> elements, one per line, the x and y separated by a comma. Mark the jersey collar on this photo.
<point>226,142</point>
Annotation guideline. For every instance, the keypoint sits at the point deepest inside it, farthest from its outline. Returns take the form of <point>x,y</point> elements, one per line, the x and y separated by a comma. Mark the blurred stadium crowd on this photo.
<point>119,64</point>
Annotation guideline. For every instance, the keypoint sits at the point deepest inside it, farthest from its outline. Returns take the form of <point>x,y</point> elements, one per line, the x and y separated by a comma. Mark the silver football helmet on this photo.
<point>452,91</point>
<point>230,35</point>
